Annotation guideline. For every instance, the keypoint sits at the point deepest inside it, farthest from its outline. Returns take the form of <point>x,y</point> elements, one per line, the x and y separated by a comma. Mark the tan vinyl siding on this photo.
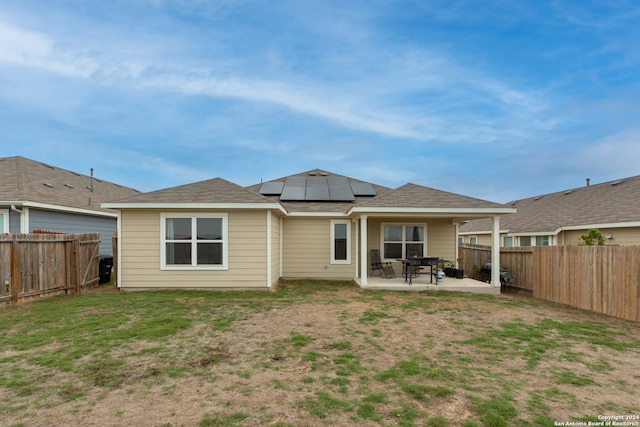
<point>307,250</point>
<point>627,236</point>
<point>140,254</point>
<point>483,239</point>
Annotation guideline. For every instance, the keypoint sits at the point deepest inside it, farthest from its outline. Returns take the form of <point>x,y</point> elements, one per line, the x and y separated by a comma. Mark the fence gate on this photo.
<point>34,265</point>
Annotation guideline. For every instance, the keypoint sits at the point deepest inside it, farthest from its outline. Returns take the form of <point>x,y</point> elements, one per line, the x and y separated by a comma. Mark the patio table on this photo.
<point>412,264</point>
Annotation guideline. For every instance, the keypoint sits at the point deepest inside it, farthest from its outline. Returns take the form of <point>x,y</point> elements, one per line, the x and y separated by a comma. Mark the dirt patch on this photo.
<point>347,357</point>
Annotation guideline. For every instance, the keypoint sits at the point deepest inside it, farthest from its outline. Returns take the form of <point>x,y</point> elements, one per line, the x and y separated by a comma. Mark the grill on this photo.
<point>505,274</point>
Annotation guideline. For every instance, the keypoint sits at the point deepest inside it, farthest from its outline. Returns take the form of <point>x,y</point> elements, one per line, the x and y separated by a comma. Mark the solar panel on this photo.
<point>290,192</point>
<point>296,181</point>
<point>339,189</point>
<point>316,181</point>
<point>318,188</point>
<point>271,188</point>
<point>363,189</point>
<point>341,194</point>
<point>318,193</point>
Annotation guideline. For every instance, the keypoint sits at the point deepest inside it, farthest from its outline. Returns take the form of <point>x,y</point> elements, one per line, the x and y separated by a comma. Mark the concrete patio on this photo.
<point>423,283</point>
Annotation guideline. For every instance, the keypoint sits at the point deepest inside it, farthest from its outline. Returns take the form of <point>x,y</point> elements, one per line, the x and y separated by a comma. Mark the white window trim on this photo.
<point>332,241</point>
<point>404,225</point>
<point>513,241</point>
<point>5,220</point>
<point>471,238</point>
<point>225,241</point>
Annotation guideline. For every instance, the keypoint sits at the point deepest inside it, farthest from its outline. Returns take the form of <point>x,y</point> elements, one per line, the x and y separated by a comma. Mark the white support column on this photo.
<point>495,252</point>
<point>363,251</point>
<point>356,263</point>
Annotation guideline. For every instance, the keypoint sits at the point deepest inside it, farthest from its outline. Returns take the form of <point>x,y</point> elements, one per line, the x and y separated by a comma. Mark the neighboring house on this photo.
<point>561,218</point>
<point>36,196</point>
<point>217,234</point>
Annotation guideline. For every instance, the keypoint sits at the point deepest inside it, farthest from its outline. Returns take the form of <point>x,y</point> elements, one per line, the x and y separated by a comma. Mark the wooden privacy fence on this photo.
<point>34,265</point>
<point>518,260</point>
<point>603,279</point>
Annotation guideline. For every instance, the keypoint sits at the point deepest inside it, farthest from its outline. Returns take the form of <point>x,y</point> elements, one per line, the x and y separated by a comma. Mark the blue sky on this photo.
<point>499,99</point>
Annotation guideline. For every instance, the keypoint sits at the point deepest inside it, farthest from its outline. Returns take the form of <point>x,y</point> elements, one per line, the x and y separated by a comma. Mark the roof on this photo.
<point>212,191</point>
<point>611,202</point>
<point>219,191</point>
<point>25,182</point>
<point>318,206</point>
<point>418,196</point>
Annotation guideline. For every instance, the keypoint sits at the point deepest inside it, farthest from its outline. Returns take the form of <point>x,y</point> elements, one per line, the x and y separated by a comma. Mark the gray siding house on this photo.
<point>37,196</point>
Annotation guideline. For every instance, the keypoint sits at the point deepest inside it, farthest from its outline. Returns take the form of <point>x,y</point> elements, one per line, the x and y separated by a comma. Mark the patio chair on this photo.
<point>384,269</point>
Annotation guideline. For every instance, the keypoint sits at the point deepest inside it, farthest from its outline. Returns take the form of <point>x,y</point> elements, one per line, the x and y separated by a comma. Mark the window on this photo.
<point>473,240</point>
<point>507,241</point>
<point>542,240</point>
<point>460,239</point>
<point>194,241</point>
<point>400,241</point>
<point>340,242</point>
<point>4,220</point>
<point>525,240</point>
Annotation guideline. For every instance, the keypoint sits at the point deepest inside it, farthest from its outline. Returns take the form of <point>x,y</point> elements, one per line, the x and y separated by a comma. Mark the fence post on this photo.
<point>74,262</point>
<point>15,274</point>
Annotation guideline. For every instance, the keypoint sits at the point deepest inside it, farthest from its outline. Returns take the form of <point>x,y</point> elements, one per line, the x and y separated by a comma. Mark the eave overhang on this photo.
<point>192,206</point>
<point>59,208</point>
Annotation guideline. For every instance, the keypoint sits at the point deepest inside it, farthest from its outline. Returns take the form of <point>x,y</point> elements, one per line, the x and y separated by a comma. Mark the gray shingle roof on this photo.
<point>219,190</point>
<point>25,180</point>
<point>417,196</point>
<point>606,203</point>
<point>216,190</point>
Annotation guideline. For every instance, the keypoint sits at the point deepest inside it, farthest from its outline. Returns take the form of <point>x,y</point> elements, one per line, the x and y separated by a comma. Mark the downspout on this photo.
<point>24,228</point>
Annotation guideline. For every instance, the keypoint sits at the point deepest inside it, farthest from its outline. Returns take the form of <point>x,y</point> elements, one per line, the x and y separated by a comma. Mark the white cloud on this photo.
<point>21,46</point>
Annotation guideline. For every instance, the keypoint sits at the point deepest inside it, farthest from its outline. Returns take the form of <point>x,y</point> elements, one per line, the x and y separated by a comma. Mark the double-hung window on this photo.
<point>402,241</point>
<point>194,241</point>
<point>542,240</point>
<point>340,241</point>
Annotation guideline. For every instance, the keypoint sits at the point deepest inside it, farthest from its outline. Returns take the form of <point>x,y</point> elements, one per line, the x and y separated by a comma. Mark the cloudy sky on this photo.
<point>499,99</point>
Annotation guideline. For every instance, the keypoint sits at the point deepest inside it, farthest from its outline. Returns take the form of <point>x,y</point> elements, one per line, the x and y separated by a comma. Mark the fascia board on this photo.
<point>476,212</point>
<point>577,227</point>
<point>319,214</point>
<point>484,232</point>
<point>50,207</point>
<point>183,206</point>
<point>602,225</point>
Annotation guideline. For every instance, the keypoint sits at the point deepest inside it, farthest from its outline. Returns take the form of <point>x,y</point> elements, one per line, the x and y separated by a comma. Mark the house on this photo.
<point>561,218</point>
<point>37,196</point>
<point>316,224</point>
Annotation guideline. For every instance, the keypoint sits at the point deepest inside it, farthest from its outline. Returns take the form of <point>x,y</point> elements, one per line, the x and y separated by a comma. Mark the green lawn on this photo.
<point>313,353</point>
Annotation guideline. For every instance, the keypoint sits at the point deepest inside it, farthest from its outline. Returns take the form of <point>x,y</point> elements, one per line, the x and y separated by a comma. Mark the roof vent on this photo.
<point>568,192</point>
<point>537,198</point>
<point>312,174</point>
<point>614,183</point>
<point>323,174</point>
<point>68,185</point>
<point>46,184</point>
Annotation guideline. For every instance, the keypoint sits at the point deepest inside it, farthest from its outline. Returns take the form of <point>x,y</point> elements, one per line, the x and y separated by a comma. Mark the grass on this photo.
<point>258,358</point>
